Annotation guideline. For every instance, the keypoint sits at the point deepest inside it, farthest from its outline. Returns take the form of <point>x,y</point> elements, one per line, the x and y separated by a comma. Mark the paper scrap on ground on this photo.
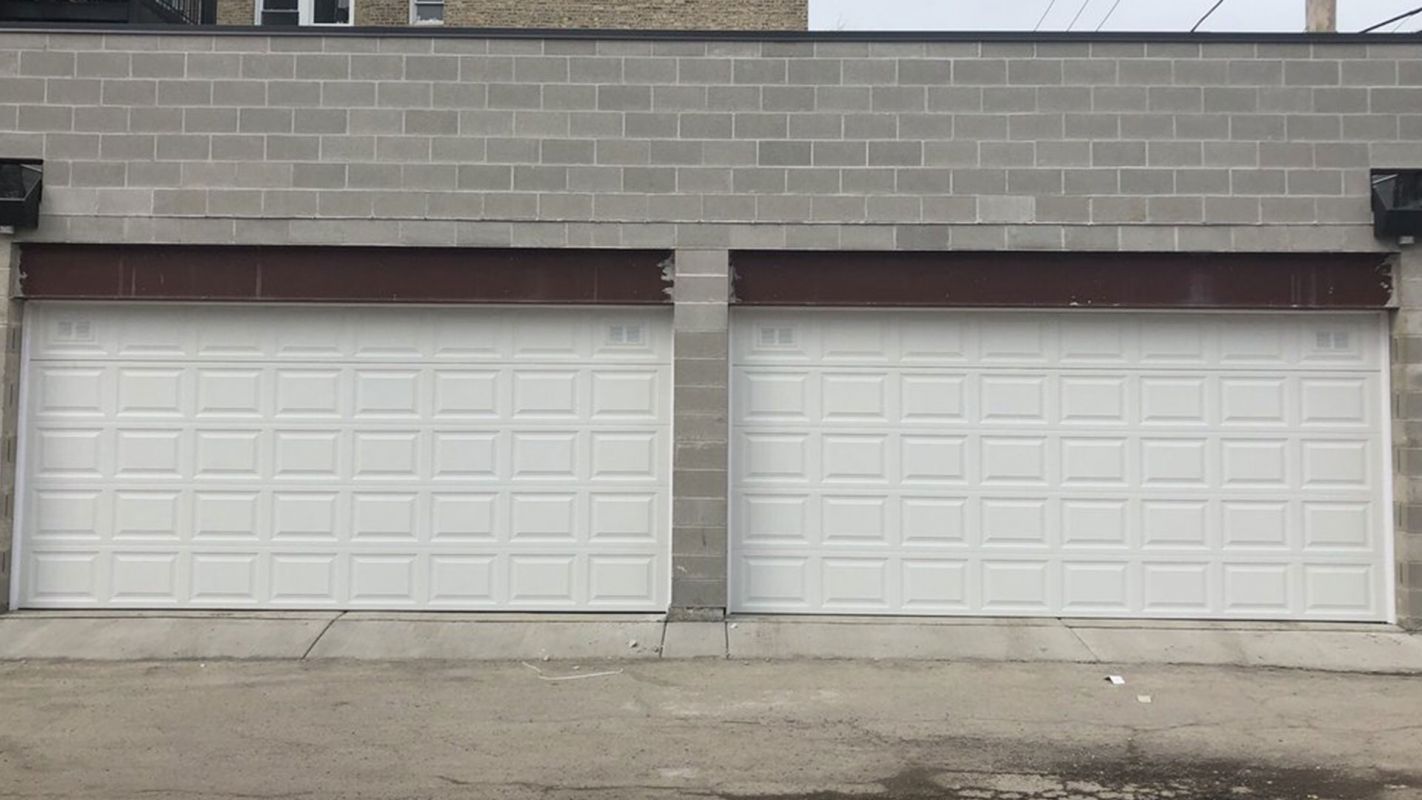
<point>1144,698</point>
<point>1116,680</point>
<point>543,677</point>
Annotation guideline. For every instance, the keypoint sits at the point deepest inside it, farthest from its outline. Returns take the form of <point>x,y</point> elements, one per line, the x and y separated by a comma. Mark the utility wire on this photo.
<point>1072,24</point>
<point>1414,12</point>
<point>1208,14</point>
<point>1043,18</point>
<point>1107,18</point>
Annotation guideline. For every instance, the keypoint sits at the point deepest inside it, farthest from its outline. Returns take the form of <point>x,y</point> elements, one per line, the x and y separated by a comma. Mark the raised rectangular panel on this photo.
<point>1336,464</point>
<point>779,396</point>
<point>854,520</point>
<point>147,515</point>
<point>541,580</point>
<point>318,337</point>
<point>303,393</point>
<point>1013,398</point>
<point>1011,339</point>
<point>1177,588</point>
<point>854,340</point>
<point>384,516</point>
<point>540,394</point>
<point>225,515</point>
<point>456,334</point>
<point>1339,341</point>
<point>854,458</point>
<point>149,392</point>
<point>68,391</point>
<point>306,455</point>
<point>1092,340</point>
<point>1174,463</point>
<point>466,455</point>
<point>1090,400</point>
<point>854,582</point>
<point>930,338</point>
<point>624,395</point>
<point>1252,525</point>
<point>466,394</point>
<point>1339,588</point>
<point>148,454</point>
<point>770,581</point>
<point>63,577</point>
<point>60,514</point>
<point>1254,463</point>
<point>70,333</point>
<point>772,339</point>
<point>1252,341</point>
<point>934,585</point>
<point>1014,522</point>
<point>1253,401</point>
<point>617,580</point>
<point>304,516</point>
<point>1336,402</point>
<point>224,578</point>
<point>1333,525</point>
<point>245,335</point>
<point>1256,588</point>
<point>933,521</point>
<point>933,459</point>
<point>623,517</point>
<point>1015,586</point>
<point>1095,523</point>
<point>624,456</point>
<point>162,333</point>
<point>545,456</point>
<point>383,579</point>
<point>1173,341</point>
<point>388,334</point>
<point>386,455</point>
<point>146,577</point>
<point>933,398</point>
<point>1093,462</point>
<point>228,392</point>
<point>857,398</point>
<point>463,517</point>
<point>68,453</point>
<point>1096,587</point>
<point>541,337</point>
<point>1014,461</point>
<point>460,581</point>
<point>381,394</point>
<point>543,517</point>
<point>773,519</point>
<point>227,454</point>
<point>1173,400</point>
<point>300,578</point>
<point>1170,524</point>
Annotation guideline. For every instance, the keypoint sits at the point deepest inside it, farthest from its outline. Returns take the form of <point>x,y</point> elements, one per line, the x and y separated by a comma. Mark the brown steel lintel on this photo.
<point>342,274</point>
<point>1064,280</point>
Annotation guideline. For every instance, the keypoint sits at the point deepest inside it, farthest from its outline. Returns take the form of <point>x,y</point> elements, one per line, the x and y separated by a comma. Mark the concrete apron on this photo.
<point>140,636</point>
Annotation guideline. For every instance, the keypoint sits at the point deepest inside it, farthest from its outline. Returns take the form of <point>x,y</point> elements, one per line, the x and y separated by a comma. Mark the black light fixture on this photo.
<point>21,183</point>
<point>1397,203</point>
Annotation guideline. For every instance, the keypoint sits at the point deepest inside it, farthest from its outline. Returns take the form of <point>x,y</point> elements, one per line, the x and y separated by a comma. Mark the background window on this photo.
<point>304,12</point>
<point>280,12</point>
<point>427,12</point>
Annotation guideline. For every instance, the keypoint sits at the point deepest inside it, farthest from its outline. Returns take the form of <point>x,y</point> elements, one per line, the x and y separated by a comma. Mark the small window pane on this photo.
<point>280,12</point>
<point>331,12</point>
<point>429,11</point>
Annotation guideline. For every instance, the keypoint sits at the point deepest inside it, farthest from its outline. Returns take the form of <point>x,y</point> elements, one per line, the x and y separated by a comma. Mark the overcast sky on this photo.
<point>1130,15</point>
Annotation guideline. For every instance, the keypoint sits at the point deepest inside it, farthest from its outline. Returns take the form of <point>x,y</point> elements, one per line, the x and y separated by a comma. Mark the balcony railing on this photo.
<point>150,12</point>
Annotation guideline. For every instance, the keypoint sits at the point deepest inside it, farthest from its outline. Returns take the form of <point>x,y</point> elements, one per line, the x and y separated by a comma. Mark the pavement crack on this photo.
<point>321,635</point>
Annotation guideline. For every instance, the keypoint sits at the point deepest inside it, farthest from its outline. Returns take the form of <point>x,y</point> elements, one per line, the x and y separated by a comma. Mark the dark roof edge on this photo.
<point>1025,37</point>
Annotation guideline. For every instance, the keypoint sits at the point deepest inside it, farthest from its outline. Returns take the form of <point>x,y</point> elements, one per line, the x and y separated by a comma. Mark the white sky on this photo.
<point>1131,15</point>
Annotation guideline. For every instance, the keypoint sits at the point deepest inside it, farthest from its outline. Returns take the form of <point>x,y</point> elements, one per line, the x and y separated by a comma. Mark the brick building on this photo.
<point>729,15</point>
<point>935,324</point>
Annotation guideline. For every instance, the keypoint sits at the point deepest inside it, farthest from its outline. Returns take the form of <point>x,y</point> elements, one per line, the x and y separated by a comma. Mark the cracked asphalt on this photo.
<point>796,730</point>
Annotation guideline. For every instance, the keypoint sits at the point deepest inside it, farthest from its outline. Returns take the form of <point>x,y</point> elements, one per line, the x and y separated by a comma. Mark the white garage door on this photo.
<point>319,457</point>
<point>1060,464</point>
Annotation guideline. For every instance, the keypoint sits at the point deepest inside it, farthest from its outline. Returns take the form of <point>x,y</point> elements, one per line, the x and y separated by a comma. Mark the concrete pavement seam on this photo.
<point>1096,657</point>
<point>319,636</point>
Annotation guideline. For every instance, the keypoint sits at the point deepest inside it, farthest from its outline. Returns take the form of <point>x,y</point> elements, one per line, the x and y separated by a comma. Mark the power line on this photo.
<point>1208,14</point>
<point>1050,6</point>
<point>1107,18</point>
<point>1072,24</point>
<point>1414,12</point>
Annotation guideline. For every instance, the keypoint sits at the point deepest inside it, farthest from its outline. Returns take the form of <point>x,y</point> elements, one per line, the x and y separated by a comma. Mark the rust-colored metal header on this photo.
<point>1064,280</point>
<point>342,274</point>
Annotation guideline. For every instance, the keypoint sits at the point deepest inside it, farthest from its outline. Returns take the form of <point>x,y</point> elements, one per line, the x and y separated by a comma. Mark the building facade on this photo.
<point>727,15</point>
<point>787,324</point>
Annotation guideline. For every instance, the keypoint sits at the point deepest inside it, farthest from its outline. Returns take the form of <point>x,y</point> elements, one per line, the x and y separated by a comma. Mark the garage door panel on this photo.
<point>503,448</point>
<point>1223,466</point>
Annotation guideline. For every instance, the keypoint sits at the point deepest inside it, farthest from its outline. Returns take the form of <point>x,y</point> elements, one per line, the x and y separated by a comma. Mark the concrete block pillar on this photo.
<point>700,433</point>
<point>9,410</point>
<point>1407,435</point>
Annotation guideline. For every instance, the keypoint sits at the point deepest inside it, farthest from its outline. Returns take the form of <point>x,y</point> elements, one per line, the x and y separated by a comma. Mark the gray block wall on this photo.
<point>704,146</point>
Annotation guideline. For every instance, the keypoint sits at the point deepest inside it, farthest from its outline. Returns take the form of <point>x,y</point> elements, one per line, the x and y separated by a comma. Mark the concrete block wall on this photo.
<point>1407,434</point>
<point>726,15</point>
<point>9,416</point>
